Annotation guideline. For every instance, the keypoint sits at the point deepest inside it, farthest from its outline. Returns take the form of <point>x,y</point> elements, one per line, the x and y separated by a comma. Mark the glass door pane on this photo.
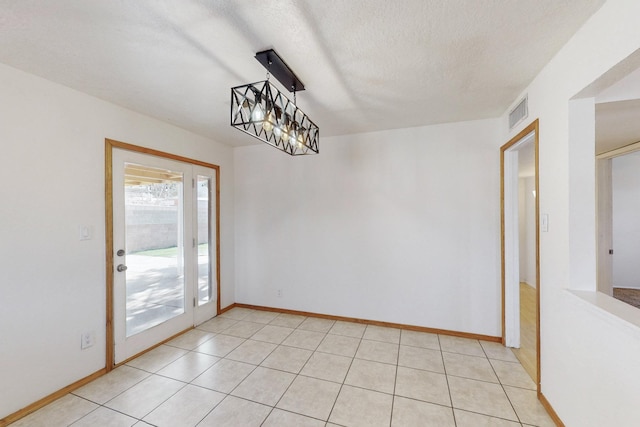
<point>205,284</point>
<point>154,231</point>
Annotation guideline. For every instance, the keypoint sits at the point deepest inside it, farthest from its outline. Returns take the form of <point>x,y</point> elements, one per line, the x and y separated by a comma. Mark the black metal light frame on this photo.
<point>262,111</point>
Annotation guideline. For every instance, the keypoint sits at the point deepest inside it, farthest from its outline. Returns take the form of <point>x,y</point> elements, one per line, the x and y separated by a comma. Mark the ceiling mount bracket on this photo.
<point>280,70</point>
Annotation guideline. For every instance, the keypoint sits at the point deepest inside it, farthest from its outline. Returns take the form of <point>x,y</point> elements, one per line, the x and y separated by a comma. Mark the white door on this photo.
<point>205,243</point>
<point>162,234</point>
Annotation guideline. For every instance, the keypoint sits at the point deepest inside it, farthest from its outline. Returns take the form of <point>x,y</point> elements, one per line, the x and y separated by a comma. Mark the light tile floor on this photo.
<point>255,368</point>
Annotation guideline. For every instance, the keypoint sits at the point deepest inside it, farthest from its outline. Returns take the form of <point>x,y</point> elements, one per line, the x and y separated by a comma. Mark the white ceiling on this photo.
<point>618,114</point>
<point>617,124</point>
<point>367,64</point>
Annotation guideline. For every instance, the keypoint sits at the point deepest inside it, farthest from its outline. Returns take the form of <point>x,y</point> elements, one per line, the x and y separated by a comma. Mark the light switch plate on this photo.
<point>544,223</point>
<point>85,232</point>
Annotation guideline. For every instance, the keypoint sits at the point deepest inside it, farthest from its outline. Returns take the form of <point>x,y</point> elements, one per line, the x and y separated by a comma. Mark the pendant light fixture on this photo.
<point>262,111</point>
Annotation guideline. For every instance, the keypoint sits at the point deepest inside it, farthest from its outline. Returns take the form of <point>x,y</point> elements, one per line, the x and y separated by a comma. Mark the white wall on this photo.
<point>398,226</point>
<point>589,363</point>
<point>626,221</point>
<point>52,286</point>
<point>527,229</point>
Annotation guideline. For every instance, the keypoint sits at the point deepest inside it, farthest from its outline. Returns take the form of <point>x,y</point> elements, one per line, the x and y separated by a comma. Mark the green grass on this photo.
<point>171,252</point>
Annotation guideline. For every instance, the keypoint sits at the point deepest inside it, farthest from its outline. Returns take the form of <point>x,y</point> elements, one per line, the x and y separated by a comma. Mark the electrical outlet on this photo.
<point>279,293</point>
<point>87,339</point>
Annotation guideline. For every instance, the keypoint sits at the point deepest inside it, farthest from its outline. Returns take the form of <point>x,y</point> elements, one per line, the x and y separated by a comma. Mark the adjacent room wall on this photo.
<point>530,230</point>
<point>589,359</point>
<point>399,226</point>
<point>626,220</point>
<point>52,285</point>
<point>527,229</point>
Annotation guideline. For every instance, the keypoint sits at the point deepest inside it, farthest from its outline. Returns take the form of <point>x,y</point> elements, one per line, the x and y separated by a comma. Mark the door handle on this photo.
<point>121,267</point>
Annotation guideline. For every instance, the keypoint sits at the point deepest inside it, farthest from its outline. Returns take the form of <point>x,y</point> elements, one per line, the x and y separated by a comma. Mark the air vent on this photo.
<point>519,113</point>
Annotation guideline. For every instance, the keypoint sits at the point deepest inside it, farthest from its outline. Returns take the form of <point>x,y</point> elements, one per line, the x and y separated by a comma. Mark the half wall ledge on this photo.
<point>609,309</point>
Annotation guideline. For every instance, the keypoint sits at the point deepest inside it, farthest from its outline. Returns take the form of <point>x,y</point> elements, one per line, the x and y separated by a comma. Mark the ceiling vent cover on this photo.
<point>519,112</point>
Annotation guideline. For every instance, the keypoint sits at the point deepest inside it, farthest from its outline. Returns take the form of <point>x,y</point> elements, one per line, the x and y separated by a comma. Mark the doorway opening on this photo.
<point>618,196</point>
<point>520,230</point>
<point>163,258</point>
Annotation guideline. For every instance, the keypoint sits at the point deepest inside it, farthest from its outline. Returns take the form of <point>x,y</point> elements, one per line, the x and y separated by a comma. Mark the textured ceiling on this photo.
<point>367,64</point>
<point>617,113</point>
<point>617,124</point>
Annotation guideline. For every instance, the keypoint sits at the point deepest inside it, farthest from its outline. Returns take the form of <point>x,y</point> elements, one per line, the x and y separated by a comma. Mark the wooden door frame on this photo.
<point>109,146</point>
<point>533,127</point>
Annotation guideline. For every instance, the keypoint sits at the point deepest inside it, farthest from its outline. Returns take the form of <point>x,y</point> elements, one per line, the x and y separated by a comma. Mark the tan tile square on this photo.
<point>304,339</point>
<point>372,375</point>
<point>341,345</point>
<point>422,385</point>
<point>112,384</point>
<point>217,324</point>
<point>188,366</point>
<point>236,313</point>
<point>145,396</point>
<point>461,345</point>
<point>513,374</point>
<point>220,345</point>
<point>356,407</point>
<point>495,350</point>
<point>279,418</point>
<point>528,407</point>
<point>224,376</point>
<point>185,408</point>
<point>378,351</point>
<point>481,397</point>
<point>190,340</point>
<point>310,397</point>
<point>420,339</point>
<point>288,320</point>
<point>461,365</point>
<point>348,329</point>
<point>157,358</point>
<point>105,417</point>
<point>234,411</point>
<point>469,419</point>
<point>272,334</point>
<point>264,386</point>
<point>243,329</point>
<point>316,324</point>
<point>260,316</point>
<point>411,413</point>
<point>381,333</point>
<point>421,358</point>
<point>324,366</point>
<point>62,412</point>
<point>253,352</point>
<point>289,359</point>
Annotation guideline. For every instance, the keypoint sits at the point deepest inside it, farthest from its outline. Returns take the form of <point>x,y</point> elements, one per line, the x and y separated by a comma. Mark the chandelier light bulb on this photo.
<point>267,124</point>
<point>258,114</point>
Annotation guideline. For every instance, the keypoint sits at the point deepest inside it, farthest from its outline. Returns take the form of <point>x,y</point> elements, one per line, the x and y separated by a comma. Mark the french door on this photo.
<point>164,251</point>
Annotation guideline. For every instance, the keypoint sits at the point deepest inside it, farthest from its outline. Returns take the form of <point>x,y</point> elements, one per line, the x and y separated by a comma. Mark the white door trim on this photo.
<point>512,249</point>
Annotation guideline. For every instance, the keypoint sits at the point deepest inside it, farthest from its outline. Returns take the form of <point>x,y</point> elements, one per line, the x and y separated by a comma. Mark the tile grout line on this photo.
<point>446,377</point>
<point>395,381</point>
<point>345,375</point>
<point>501,385</point>
<point>289,386</point>
<point>225,358</point>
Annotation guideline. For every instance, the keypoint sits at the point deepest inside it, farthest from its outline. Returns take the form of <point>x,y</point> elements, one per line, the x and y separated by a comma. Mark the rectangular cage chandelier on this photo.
<point>262,111</point>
